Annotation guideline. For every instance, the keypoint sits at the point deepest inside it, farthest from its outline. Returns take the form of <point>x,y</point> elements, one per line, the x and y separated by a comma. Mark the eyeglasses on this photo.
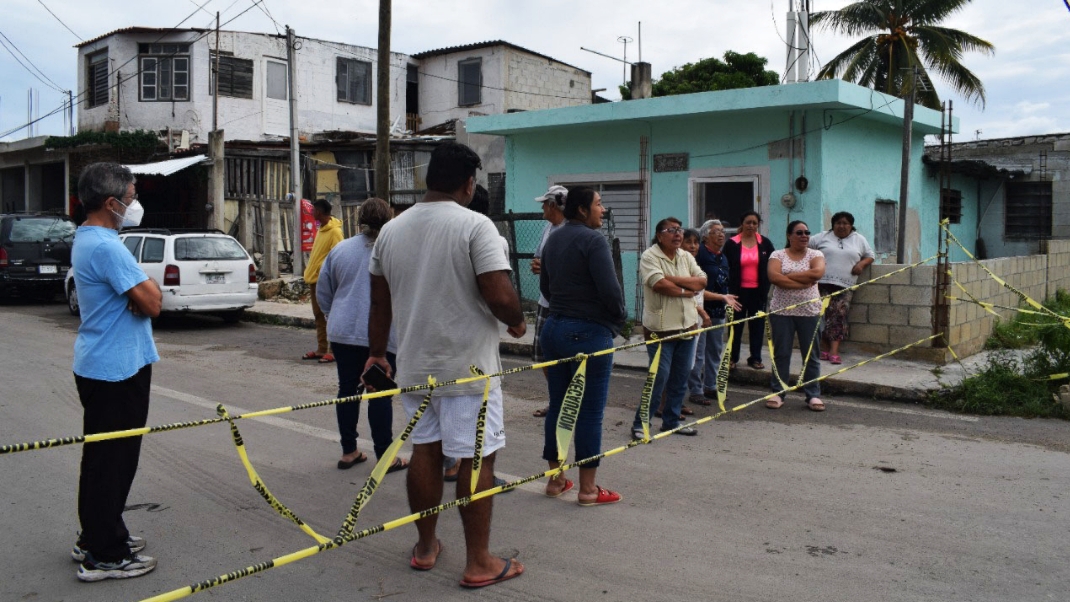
<point>671,230</point>
<point>802,233</point>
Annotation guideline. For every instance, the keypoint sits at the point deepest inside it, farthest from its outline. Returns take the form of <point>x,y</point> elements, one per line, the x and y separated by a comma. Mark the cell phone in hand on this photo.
<point>375,379</point>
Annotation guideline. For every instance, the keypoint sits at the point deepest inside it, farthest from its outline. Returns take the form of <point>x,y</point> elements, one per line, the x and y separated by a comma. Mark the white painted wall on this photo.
<point>254,119</point>
<point>438,85</point>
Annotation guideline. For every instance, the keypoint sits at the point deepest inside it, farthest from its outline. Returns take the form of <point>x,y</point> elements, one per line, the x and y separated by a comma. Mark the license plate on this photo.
<point>215,278</point>
<point>46,269</point>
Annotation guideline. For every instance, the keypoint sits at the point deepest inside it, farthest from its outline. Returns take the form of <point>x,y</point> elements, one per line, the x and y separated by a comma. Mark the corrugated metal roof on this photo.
<point>166,168</point>
<point>135,29</point>
<point>488,44</point>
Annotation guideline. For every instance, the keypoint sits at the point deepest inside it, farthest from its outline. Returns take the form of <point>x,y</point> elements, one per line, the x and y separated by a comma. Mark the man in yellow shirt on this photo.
<point>329,235</point>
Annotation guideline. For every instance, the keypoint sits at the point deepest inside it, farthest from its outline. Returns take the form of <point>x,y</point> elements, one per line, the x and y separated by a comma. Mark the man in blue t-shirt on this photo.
<point>113,358</point>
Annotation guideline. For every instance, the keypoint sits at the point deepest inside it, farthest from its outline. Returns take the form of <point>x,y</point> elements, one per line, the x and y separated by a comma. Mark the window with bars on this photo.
<point>354,80</point>
<point>951,205</point>
<point>469,82</point>
<point>235,77</point>
<point>164,72</point>
<point>1028,210</point>
<point>96,78</point>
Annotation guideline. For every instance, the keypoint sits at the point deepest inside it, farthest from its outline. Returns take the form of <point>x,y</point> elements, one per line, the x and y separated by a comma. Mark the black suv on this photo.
<point>35,254</point>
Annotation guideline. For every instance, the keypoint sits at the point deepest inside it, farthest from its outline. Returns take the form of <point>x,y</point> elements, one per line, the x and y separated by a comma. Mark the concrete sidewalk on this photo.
<point>887,379</point>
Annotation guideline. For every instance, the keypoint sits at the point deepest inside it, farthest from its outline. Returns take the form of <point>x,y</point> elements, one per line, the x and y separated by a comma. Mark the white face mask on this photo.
<point>132,217</point>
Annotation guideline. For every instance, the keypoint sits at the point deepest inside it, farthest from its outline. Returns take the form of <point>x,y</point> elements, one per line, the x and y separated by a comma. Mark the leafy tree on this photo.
<point>735,71</point>
<point>903,34</point>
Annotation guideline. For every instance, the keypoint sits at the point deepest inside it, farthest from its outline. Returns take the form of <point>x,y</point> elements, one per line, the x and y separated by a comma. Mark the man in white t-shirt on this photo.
<point>440,273</point>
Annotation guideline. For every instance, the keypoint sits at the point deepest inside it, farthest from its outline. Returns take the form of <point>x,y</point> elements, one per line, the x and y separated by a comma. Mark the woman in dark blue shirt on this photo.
<point>586,312</point>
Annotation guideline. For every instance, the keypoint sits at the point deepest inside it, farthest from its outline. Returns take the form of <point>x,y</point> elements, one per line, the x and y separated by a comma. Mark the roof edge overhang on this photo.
<point>834,95</point>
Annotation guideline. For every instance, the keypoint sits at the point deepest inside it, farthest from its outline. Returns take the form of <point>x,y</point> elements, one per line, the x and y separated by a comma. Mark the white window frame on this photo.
<point>159,72</point>
<point>758,175</point>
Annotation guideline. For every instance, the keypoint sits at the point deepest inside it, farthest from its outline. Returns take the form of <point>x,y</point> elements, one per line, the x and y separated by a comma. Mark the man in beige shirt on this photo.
<point>670,278</point>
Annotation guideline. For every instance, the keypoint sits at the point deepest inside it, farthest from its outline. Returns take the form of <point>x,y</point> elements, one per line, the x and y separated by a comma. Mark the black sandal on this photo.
<point>756,364</point>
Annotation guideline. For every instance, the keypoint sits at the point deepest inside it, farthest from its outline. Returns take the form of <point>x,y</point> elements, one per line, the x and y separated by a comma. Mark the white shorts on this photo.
<point>452,420</point>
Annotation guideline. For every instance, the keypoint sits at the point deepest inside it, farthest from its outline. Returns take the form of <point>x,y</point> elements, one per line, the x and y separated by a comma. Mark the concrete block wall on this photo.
<point>1058,253</point>
<point>536,83</point>
<point>971,325</point>
<point>894,311</point>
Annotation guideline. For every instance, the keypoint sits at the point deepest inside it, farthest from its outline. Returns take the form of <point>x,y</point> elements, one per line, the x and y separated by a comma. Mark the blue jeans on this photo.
<point>564,337</point>
<point>708,352</point>
<point>673,370</point>
<point>350,360</point>
<point>783,330</point>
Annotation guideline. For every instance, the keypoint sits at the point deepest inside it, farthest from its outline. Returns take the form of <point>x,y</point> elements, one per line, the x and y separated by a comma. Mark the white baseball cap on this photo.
<point>556,193</point>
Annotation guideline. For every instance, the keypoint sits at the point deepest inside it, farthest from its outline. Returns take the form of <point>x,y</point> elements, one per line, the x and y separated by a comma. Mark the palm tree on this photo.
<point>903,34</point>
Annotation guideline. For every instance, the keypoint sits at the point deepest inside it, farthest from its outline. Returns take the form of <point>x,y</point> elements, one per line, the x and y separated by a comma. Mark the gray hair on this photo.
<point>101,181</point>
<point>704,229</point>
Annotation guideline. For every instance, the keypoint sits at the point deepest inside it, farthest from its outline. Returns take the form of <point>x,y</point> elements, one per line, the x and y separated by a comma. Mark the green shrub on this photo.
<point>1007,386</point>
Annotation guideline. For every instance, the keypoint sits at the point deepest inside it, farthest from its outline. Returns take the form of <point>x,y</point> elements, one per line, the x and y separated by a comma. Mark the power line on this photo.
<point>264,9</point>
<point>6,40</point>
<point>60,20</point>
<point>137,73</point>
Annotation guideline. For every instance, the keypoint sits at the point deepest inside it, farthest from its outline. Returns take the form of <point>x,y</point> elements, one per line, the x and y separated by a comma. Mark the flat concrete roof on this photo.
<point>832,94</point>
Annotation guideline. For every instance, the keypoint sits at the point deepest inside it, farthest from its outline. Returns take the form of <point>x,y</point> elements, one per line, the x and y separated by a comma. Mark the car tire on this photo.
<point>72,301</point>
<point>232,317</point>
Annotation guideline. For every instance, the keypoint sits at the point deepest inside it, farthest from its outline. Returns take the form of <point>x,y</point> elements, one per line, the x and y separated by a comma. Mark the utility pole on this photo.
<point>215,78</point>
<point>295,156</point>
<point>382,106</point>
<point>904,183</point>
<point>216,173</point>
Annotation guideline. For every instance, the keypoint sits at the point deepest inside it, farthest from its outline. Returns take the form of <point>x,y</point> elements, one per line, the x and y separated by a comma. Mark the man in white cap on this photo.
<point>553,205</point>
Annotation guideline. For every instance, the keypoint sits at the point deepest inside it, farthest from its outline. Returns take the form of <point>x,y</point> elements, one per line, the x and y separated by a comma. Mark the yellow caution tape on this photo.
<point>648,391</point>
<point>1021,295</point>
<point>725,360</point>
<point>63,441</point>
<point>570,410</point>
<point>341,540</point>
<point>258,483</point>
<point>481,428</point>
<point>376,477</point>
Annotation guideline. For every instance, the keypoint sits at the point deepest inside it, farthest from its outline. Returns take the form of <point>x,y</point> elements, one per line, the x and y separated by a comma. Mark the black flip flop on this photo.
<point>344,465</point>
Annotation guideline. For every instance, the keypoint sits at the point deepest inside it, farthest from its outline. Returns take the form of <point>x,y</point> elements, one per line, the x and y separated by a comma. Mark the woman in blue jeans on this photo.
<point>586,312</point>
<point>344,295</point>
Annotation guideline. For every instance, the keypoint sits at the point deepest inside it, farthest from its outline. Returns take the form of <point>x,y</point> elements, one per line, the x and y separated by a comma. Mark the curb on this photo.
<point>739,376</point>
<point>277,320</point>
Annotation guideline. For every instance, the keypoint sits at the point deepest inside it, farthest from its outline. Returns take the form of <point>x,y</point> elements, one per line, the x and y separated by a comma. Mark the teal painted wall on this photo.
<point>849,165</point>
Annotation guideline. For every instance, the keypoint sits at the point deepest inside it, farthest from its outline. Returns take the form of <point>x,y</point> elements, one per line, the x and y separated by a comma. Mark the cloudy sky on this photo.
<point>1027,80</point>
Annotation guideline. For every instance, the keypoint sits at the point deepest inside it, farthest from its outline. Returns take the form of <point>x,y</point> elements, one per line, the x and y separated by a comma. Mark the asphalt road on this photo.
<point>868,501</point>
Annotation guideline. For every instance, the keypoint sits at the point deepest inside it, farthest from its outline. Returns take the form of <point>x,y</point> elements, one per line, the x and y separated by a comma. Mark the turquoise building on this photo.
<point>797,151</point>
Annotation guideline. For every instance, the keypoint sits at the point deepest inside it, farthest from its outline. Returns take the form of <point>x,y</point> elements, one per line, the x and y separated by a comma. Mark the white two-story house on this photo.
<point>155,79</point>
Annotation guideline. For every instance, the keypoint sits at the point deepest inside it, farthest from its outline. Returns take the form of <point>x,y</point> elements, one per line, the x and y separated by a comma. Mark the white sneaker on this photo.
<point>131,566</point>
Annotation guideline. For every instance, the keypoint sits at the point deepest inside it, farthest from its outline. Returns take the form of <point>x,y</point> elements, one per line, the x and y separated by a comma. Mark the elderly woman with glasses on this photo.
<point>670,278</point>
<point>846,253</point>
<point>795,312</point>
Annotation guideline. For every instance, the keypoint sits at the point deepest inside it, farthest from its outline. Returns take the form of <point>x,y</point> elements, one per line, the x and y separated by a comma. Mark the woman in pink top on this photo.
<point>748,257</point>
<point>794,272</point>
